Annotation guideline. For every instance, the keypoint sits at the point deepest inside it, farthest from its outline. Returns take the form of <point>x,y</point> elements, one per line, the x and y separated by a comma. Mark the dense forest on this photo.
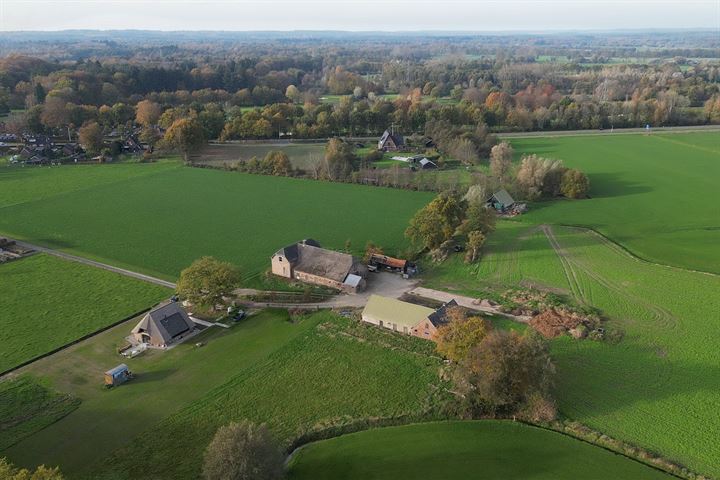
<point>318,85</point>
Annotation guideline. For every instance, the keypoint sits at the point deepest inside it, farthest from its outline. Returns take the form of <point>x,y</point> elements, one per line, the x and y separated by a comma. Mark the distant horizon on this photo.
<point>432,31</point>
<point>461,16</point>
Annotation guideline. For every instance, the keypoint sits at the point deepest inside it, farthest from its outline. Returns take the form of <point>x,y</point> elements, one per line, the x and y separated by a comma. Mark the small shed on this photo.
<point>501,200</point>
<point>427,163</point>
<point>117,375</point>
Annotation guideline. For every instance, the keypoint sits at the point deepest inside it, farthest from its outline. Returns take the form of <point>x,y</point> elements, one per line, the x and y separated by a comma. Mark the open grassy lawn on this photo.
<point>657,388</point>
<point>302,155</point>
<point>654,194</point>
<point>158,223</point>
<point>165,383</point>
<point>294,376</point>
<point>26,407</point>
<point>47,302</point>
<point>459,451</point>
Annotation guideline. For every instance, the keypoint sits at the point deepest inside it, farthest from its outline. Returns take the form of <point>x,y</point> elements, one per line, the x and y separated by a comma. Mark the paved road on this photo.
<point>617,131</point>
<point>93,263</point>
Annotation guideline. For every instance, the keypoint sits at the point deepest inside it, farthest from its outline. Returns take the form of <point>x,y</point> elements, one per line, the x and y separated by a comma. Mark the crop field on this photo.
<point>301,155</point>
<point>461,450</point>
<point>158,223</point>
<point>654,194</point>
<point>47,302</point>
<point>159,424</point>
<point>655,388</point>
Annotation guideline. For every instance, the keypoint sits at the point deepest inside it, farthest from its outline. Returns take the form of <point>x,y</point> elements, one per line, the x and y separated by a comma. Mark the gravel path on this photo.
<point>93,263</point>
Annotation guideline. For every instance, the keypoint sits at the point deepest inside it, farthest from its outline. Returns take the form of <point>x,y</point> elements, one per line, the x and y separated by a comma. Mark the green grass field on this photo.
<point>657,387</point>
<point>159,218</point>
<point>295,376</point>
<point>461,450</point>
<point>656,194</point>
<point>27,407</point>
<point>47,302</point>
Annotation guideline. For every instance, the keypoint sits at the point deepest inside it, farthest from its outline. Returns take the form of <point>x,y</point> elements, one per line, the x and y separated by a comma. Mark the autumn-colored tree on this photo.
<point>465,150</point>
<point>55,113</point>
<point>501,157</point>
<point>243,451</point>
<point>147,113</point>
<point>457,337</point>
<point>293,93</point>
<point>575,184</point>
<point>339,159</point>
<point>9,472</point>
<point>478,218</point>
<point>476,240</point>
<point>436,222</point>
<point>507,369</point>
<point>531,175</point>
<point>207,280</point>
<point>276,162</point>
<point>370,250</point>
<point>185,135</point>
<point>91,137</point>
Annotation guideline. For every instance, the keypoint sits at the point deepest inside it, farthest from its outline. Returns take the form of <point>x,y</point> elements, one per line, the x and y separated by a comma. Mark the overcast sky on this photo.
<point>389,15</point>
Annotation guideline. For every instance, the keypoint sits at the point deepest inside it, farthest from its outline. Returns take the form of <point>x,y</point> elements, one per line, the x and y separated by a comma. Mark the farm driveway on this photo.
<point>467,302</point>
<point>380,283</point>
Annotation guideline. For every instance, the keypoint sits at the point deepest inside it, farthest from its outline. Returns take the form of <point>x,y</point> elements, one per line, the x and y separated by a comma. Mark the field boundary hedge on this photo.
<point>572,430</point>
<point>70,344</point>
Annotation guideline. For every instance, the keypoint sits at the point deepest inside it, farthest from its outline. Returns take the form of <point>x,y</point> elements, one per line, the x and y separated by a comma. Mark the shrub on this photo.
<point>243,451</point>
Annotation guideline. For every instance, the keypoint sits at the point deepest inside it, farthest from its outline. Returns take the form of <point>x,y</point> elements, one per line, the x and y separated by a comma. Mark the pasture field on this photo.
<point>657,387</point>
<point>159,424</point>
<point>654,194</point>
<point>159,223</point>
<point>47,302</point>
<point>27,407</point>
<point>165,383</point>
<point>461,450</point>
<point>302,155</point>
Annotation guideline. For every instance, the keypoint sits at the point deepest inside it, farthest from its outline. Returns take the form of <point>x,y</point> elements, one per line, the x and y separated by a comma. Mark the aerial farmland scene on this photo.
<point>359,240</point>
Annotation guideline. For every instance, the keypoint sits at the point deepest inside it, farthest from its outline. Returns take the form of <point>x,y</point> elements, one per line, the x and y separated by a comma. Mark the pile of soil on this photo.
<point>554,322</point>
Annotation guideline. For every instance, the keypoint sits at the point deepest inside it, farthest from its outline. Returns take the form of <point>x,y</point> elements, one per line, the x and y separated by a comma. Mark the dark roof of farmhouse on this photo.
<point>291,252</point>
<point>165,323</point>
<point>439,316</point>
<point>396,138</point>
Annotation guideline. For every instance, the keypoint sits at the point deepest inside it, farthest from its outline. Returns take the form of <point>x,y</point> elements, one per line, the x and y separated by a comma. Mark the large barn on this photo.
<point>405,317</point>
<point>308,262</point>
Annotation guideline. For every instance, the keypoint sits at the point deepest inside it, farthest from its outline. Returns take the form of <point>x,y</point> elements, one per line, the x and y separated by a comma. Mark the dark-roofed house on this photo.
<point>164,326</point>
<point>308,262</point>
<point>390,142</point>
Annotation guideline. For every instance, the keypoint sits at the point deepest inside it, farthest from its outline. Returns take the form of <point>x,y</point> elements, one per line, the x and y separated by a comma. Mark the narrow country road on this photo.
<point>607,131</point>
<point>93,263</point>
